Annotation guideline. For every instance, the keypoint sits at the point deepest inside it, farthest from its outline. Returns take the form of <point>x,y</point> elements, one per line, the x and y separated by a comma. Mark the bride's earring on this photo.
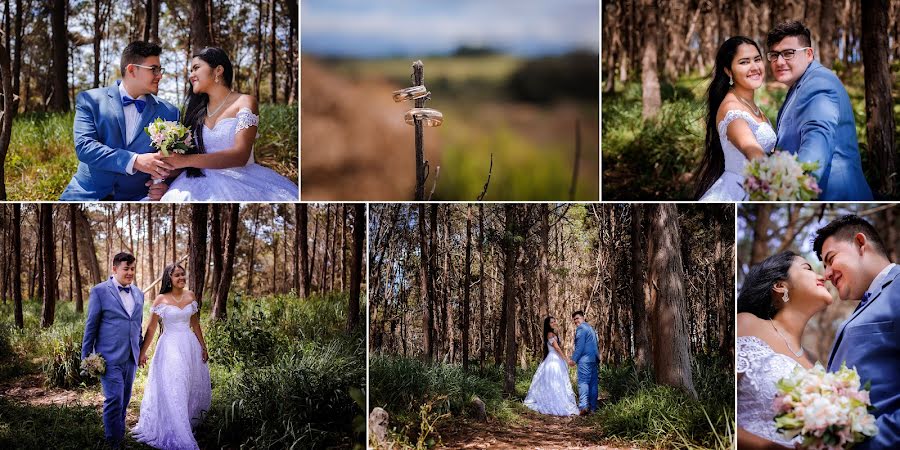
<point>217,79</point>
<point>785,297</point>
<point>730,81</point>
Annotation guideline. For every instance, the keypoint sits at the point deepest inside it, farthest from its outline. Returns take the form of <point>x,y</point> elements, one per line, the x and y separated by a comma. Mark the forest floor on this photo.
<point>530,430</point>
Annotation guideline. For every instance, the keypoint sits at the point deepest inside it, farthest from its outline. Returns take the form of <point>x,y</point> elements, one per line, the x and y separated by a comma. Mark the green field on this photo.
<point>41,158</point>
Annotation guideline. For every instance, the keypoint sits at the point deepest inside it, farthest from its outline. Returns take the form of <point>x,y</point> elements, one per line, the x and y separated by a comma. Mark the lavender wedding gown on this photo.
<point>551,389</point>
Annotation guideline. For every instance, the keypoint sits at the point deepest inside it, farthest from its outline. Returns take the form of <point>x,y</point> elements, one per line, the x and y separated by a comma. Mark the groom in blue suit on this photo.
<point>857,264</point>
<point>816,121</point>
<point>113,329</point>
<point>115,158</point>
<point>586,357</point>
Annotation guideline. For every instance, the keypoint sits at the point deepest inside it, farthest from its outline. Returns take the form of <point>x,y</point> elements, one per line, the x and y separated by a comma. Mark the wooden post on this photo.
<point>419,80</point>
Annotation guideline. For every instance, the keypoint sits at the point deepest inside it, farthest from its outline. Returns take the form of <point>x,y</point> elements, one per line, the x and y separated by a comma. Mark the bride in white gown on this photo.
<point>736,129</point>
<point>178,392</point>
<point>777,299</point>
<point>224,124</point>
<point>551,389</point>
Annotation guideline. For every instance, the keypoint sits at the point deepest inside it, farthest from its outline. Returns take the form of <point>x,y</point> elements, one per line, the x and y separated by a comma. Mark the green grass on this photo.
<point>284,373</point>
<point>41,158</point>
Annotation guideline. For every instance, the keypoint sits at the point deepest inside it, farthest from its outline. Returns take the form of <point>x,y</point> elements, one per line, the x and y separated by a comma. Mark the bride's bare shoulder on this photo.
<point>160,300</point>
<point>748,324</point>
<point>729,103</point>
<point>247,101</point>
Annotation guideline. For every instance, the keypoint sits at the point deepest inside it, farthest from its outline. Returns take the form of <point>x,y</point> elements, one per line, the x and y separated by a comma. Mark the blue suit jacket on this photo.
<point>102,147</point>
<point>870,341</point>
<point>109,330</point>
<point>816,122</point>
<point>586,350</point>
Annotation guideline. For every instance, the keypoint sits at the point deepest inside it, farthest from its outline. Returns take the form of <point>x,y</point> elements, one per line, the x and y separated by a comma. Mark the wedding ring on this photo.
<point>410,93</point>
<point>429,117</point>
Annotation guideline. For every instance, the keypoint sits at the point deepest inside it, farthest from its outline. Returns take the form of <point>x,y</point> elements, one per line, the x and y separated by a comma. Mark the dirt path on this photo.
<point>534,431</point>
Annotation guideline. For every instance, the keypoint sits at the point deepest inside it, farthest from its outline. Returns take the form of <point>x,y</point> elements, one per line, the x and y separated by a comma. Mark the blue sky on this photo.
<point>375,28</point>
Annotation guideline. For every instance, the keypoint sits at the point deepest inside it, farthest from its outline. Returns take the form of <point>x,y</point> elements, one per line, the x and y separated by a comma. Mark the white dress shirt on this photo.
<point>132,120</point>
<point>127,299</point>
<point>880,278</point>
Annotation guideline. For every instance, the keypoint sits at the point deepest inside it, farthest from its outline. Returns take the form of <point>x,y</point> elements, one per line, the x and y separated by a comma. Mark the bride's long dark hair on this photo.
<point>547,330</point>
<point>713,163</point>
<point>195,106</point>
<point>166,282</point>
<point>756,293</point>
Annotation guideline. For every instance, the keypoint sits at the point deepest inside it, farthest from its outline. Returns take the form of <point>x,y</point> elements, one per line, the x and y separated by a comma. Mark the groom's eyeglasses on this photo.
<point>155,69</point>
<point>787,54</point>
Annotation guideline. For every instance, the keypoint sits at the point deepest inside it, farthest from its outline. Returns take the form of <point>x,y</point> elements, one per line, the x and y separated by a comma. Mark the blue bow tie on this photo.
<point>127,290</point>
<point>139,104</point>
<point>865,298</point>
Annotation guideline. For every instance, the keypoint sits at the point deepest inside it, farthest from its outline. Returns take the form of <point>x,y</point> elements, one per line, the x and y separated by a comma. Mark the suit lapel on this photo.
<point>115,293</point>
<point>147,116</point>
<point>118,111</point>
<point>875,294</point>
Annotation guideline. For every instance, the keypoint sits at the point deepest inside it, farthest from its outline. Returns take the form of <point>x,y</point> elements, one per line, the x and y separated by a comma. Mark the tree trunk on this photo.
<point>257,75</point>
<point>651,96</point>
<point>303,248</point>
<point>760,248</point>
<point>60,60</point>
<point>200,29</point>
<point>48,280</point>
<point>17,263</point>
<point>543,262</point>
<point>356,274</point>
<point>466,282</point>
<point>9,112</point>
<point>291,86</point>
<point>510,253</point>
<point>879,104</point>
<point>251,260</point>
<point>426,289</point>
<point>642,352</point>
<point>199,219</point>
<point>215,228</point>
<point>219,311</point>
<point>669,322</point>
<point>273,53</point>
<point>76,273</point>
<point>482,343</point>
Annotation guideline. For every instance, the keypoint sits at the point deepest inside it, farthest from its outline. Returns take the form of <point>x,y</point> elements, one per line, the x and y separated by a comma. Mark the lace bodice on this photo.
<point>734,159</point>
<point>175,318</point>
<point>761,367</point>
<point>221,136</point>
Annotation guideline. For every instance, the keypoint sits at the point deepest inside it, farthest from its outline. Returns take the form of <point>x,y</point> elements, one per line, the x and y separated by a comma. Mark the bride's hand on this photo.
<point>142,360</point>
<point>173,162</point>
<point>205,355</point>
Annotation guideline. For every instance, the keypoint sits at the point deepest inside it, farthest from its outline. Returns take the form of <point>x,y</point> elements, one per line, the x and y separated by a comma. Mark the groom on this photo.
<point>586,357</point>
<point>858,266</point>
<point>113,329</point>
<point>115,158</point>
<point>816,121</point>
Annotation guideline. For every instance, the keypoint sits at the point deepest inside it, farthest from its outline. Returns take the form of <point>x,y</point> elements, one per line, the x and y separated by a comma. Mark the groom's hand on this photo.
<point>156,190</point>
<point>151,163</point>
<point>572,363</point>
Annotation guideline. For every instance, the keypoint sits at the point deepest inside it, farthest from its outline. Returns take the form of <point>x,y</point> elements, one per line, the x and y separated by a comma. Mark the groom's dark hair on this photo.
<point>844,229</point>
<point>787,29</point>
<point>135,53</point>
<point>578,313</point>
<point>122,256</point>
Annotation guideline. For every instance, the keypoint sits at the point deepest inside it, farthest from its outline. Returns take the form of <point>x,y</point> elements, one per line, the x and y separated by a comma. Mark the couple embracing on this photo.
<point>117,160</point>
<point>815,123</point>
<point>778,298</point>
<point>178,392</point>
<point>551,390</point>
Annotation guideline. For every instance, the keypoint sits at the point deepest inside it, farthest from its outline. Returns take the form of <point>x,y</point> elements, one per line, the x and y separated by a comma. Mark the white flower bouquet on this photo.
<point>166,135</point>
<point>829,411</point>
<point>94,365</point>
<point>781,177</point>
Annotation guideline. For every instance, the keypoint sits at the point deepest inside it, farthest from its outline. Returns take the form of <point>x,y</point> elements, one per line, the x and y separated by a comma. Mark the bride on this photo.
<point>224,125</point>
<point>731,143</point>
<point>551,389</point>
<point>778,298</point>
<point>178,392</point>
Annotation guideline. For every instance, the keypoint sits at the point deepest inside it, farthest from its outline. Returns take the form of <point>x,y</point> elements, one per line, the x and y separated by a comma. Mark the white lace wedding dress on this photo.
<point>551,389</point>
<point>178,392</point>
<point>730,185</point>
<point>762,367</point>
<point>249,183</point>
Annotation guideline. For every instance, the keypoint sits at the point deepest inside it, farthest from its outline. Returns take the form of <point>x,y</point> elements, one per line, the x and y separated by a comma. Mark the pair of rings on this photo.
<point>429,117</point>
<point>410,93</point>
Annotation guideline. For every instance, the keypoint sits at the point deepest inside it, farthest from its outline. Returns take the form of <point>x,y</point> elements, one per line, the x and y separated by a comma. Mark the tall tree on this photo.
<point>215,232</point>
<point>303,248</point>
<point>359,235</point>
<point>17,263</point>
<point>251,261</point>
<point>101,23</point>
<point>879,103</point>
<point>511,254</point>
<point>199,219</point>
<point>672,346</point>
<point>426,286</point>
<point>651,96</point>
<point>48,279</point>
<point>273,51</point>
<point>151,21</point>
<point>76,272</point>
<point>638,301</point>
<point>466,286</point>
<point>9,112</point>
<point>60,45</point>
<point>200,26</point>
<point>219,311</point>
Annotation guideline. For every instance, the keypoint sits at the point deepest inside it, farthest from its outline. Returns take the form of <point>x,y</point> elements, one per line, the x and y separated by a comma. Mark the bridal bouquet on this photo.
<point>827,410</point>
<point>780,176</point>
<point>166,135</point>
<point>94,365</point>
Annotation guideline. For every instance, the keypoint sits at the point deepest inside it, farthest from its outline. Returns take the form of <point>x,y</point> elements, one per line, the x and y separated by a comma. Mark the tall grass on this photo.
<point>41,158</point>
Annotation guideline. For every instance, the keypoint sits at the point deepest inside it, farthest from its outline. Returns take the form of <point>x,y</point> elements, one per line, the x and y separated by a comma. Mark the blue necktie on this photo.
<point>139,104</point>
<point>127,290</point>
<point>862,302</point>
